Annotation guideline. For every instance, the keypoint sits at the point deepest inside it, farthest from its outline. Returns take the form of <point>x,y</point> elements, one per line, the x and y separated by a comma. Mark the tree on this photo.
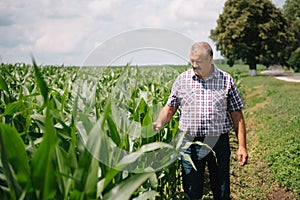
<point>291,12</point>
<point>251,30</point>
<point>294,60</point>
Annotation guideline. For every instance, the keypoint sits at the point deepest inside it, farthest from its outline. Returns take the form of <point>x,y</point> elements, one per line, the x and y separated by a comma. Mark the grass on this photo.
<point>272,115</point>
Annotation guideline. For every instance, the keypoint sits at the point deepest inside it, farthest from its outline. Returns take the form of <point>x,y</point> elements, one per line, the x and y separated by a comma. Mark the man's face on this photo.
<point>201,64</point>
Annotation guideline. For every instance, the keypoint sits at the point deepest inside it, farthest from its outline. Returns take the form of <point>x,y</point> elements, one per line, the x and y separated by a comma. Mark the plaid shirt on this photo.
<point>205,105</point>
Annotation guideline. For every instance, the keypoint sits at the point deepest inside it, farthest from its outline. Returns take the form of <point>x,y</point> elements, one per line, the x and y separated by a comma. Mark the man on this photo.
<point>210,105</point>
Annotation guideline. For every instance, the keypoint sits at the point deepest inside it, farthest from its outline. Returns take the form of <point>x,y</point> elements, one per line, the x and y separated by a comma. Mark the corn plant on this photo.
<point>56,125</point>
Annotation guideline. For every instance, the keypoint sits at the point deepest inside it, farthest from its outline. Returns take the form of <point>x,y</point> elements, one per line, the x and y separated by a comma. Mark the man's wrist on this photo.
<point>242,147</point>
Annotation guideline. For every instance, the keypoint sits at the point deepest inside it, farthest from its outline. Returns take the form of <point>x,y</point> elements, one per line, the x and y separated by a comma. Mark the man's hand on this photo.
<point>240,130</point>
<point>164,117</point>
<point>242,156</point>
<point>157,126</point>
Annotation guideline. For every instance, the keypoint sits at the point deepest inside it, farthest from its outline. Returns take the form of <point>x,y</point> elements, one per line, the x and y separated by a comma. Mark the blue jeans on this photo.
<point>218,167</point>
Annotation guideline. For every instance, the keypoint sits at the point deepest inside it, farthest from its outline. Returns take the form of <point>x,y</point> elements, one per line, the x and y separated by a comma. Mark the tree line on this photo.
<point>257,32</point>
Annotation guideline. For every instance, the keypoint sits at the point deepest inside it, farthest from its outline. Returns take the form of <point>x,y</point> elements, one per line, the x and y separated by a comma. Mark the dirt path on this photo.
<point>291,78</point>
<point>280,74</point>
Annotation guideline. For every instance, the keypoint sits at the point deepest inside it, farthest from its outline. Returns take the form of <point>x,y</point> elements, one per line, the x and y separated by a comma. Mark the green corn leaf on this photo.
<point>133,157</point>
<point>3,85</point>
<point>148,118</point>
<point>188,158</point>
<point>92,180</point>
<point>147,127</point>
<point>13,153</point>
<point>135,129</point>
<point>125,189</point>
<point>73,121</point>
<point>141,109</point>
<point>40,81</point>
<point>109,175</point>
<point>63,168</point>
<point>122,124</point>
<point>13,107</point>
<point>100,145</point>
<point>120,118</point>
<point>149,195</point>
<point>86,122</point>
<point>42,166</point>
<point>86,177</point>
<point>81,175</point>
<point>113,130</point>
<point>153,181</point>
<point>147,131</point>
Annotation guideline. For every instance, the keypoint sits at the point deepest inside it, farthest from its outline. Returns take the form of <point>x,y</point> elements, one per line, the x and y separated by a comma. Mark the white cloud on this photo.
<point>97,7</point>
<point>60,36</point>
<point>65,31</point>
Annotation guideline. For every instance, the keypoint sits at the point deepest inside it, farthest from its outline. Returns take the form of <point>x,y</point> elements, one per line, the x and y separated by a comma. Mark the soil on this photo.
<point>280,195</point>
<point>280,74</point>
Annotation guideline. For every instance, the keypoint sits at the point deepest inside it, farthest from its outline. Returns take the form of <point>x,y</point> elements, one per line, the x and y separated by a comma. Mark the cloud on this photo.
<point>5,20</point>
<point>65,31</point>
<point>60,36</point>
<point>102,8</point>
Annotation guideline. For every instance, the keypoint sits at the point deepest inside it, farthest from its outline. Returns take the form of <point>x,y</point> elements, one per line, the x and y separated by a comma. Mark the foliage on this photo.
<point>51,115</point>
<point>291,12</point>
<point>253,31</point>
<point>276,125</point>
<point>294,60</point>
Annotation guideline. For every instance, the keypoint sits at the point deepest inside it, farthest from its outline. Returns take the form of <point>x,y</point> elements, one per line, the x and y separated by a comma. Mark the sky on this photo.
<point>57,32</point>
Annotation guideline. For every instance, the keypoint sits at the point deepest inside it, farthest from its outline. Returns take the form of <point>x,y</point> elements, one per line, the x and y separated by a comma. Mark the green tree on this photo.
<point>291,12</point>
<point>294,60</point>
<point>251,30</point>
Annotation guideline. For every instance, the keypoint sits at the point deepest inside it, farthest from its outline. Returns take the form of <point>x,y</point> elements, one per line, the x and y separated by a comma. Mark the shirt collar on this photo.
<point>213,74</point>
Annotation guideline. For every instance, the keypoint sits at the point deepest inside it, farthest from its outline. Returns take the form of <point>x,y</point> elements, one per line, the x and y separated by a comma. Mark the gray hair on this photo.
<point>203,46</point>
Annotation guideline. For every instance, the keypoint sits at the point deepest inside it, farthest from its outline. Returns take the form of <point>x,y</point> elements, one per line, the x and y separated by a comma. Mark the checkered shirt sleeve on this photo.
<point>235,102</point>
<point>173,100</point>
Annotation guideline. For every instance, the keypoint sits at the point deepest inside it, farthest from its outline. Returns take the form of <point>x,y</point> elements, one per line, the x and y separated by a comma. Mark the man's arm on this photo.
<point>164,117</point>
<point>240,130</point>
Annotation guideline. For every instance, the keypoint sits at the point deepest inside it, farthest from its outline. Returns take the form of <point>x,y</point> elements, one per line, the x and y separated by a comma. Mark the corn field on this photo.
<point>86,133</point>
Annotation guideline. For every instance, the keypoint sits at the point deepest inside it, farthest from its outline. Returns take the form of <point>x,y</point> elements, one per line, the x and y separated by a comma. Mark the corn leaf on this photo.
<point>92,180</point>
<point>147,127</point>
<point>81,175</point>
<point>151,147</point>
<point>149,195</point>
<point>63,168</point>
<point>41,83</point>
<point>141,109</point>
<point>13,154</point>
<point>113,130</point>
<point>42,166</point>
<point>13,107</point>
<point>3,85</point>
<point>125,189</point>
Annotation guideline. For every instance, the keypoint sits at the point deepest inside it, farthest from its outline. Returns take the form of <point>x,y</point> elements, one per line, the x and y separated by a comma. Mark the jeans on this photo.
<point>218,167</point>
